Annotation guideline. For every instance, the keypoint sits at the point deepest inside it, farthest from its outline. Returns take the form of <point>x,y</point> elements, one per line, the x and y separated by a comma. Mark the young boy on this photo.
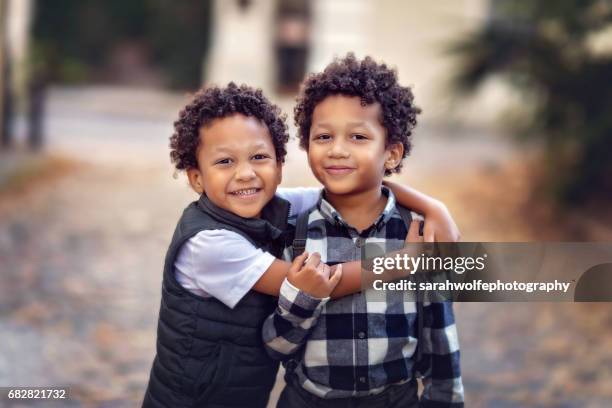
<point>355,121</point>
<point>221,266</point>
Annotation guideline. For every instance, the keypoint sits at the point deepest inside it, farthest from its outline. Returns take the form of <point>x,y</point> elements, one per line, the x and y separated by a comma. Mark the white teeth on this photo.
<point>245,192</point>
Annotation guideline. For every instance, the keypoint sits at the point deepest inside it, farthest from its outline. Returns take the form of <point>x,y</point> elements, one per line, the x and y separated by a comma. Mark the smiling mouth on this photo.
<point>339,170</point>
<point>246,192</point>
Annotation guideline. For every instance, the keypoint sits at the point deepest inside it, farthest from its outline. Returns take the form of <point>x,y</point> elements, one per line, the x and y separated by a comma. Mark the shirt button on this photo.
<point>359,242</point>
<point>362,379</point>
<point>361,335</point>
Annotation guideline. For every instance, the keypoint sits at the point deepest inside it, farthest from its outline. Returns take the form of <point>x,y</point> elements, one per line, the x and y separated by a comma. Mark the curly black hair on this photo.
<point>215,102</point>
<point>373,83</point>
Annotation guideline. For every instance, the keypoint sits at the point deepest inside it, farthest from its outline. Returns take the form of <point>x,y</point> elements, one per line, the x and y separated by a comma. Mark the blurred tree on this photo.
<point>74,41</point>
<point>179,33</point>
<point>6,96</point>
<point>559,55</point>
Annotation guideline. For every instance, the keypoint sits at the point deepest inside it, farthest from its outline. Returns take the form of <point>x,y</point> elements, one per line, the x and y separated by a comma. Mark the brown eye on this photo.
<point>223,161</point>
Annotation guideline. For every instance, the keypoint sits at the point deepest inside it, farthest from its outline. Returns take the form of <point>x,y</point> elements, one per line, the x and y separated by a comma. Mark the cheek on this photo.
<point>216,176</point>
<point>215,180</point>
<point>372,162</point>
<point>373,155</point>
<point>314,155</point>
<point>271,173</point>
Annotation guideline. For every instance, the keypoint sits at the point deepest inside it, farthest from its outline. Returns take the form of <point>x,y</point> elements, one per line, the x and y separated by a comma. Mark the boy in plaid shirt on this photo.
<point>355,121</point>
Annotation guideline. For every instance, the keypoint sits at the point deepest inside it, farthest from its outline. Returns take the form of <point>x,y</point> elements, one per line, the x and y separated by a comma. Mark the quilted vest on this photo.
<point>209,355</point>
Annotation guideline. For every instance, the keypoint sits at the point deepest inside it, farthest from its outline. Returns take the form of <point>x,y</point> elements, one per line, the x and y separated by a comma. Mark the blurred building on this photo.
<point>15,36</point>
<point>14,25</point>
<point>273,44</point>
<point>249,36</point>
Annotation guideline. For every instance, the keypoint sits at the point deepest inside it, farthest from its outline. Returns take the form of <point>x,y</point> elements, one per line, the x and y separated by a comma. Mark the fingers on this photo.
<point>413,232</point>
<point>313,260</point>
<point>298,262</point>
<point>324,270</point>
<point>446,229</point>
<point>335,279</point>
<point>428,232</point>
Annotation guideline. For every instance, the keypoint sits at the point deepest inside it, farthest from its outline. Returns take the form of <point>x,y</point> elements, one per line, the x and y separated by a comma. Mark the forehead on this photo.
<point>235,132</point>
<point>342,107</point>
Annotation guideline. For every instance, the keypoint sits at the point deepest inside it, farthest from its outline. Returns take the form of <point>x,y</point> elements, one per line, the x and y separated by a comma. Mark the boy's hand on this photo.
<point>413,237</point>
<point>439,225</point>
<point>313,276</point>
<point>413,233</point>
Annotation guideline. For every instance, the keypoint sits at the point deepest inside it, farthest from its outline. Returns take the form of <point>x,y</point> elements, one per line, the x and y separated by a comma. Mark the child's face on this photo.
<point>237,164</point>
<point>346,150</point>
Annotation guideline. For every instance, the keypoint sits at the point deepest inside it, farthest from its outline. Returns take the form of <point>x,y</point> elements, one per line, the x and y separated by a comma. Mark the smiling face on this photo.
<point>237,167</point>
<point>346,149</point>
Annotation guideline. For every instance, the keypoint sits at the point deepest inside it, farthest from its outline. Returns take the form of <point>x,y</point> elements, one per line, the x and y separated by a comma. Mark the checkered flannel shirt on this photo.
<point>352,347</point>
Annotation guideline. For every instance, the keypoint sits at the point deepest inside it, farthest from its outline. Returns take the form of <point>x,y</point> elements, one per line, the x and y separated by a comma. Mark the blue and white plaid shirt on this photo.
<point>355,346</point>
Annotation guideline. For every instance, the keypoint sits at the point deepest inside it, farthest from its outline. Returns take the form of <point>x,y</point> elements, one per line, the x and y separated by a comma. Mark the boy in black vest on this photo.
<point>231,141</point>
<point>355,121</point>
<point>222,266</point>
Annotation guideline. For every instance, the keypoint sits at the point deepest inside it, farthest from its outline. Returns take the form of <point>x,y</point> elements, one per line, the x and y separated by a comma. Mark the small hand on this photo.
<point>413,233</point>
<point>439,225</point>
<point>418,247</point>
<point>312,276</point>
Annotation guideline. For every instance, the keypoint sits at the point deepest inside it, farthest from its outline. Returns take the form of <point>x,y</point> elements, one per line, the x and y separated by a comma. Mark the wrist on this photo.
<point>299,297</point>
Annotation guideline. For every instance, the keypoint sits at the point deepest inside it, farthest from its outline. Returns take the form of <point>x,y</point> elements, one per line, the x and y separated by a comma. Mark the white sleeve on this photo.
<point>300,198</point>
<point>221,264</point>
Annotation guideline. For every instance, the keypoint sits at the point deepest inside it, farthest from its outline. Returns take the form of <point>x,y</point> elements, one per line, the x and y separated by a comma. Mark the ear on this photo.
<point>279,172</point>
<point>393,156</point>
<point>195,180</point>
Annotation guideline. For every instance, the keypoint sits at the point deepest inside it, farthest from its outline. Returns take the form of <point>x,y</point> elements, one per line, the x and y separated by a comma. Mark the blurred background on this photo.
<point>515,138</point>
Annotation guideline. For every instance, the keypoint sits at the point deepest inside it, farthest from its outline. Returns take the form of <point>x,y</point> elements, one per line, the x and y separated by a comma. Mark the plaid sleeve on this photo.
<point>443,386</point>
<point>287,328</point>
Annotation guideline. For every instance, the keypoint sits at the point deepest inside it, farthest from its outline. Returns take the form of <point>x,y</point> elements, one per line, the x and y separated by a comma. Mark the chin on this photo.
<point>247,213</point>
<point>334,188</point>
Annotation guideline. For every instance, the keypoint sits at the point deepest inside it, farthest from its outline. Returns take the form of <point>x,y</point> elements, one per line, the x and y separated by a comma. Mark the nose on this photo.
<point>245,172</point>
<point>337,150</point>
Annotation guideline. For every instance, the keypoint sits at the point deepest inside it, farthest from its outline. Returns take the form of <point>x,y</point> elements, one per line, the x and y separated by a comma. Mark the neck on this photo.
<point>359,210</point>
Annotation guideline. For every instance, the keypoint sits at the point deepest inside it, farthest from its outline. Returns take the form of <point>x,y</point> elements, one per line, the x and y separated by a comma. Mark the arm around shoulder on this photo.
<point>439,224</point>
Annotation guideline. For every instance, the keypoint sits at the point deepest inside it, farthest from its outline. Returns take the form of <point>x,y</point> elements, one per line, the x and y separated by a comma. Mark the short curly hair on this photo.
<point>370,81</point>
<point>214,103</point>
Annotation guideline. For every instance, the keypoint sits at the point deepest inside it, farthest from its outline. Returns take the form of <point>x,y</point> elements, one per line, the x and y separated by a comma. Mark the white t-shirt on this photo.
<point>224,265</point>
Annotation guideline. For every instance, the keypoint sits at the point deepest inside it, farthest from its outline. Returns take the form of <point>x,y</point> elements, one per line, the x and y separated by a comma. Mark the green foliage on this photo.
<point>180,35</point>
<point>73,39</point>
<point>546,50</point>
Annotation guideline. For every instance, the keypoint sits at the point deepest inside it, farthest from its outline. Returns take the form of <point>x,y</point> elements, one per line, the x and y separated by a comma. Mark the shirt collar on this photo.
<point>269,226</point>
<point>330,214</point>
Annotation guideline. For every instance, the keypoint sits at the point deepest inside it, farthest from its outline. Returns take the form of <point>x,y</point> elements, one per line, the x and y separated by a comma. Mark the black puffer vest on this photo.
<point>209,355</point>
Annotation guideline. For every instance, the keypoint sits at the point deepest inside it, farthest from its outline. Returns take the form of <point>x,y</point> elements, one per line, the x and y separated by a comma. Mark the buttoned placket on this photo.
<point>360,334</point>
